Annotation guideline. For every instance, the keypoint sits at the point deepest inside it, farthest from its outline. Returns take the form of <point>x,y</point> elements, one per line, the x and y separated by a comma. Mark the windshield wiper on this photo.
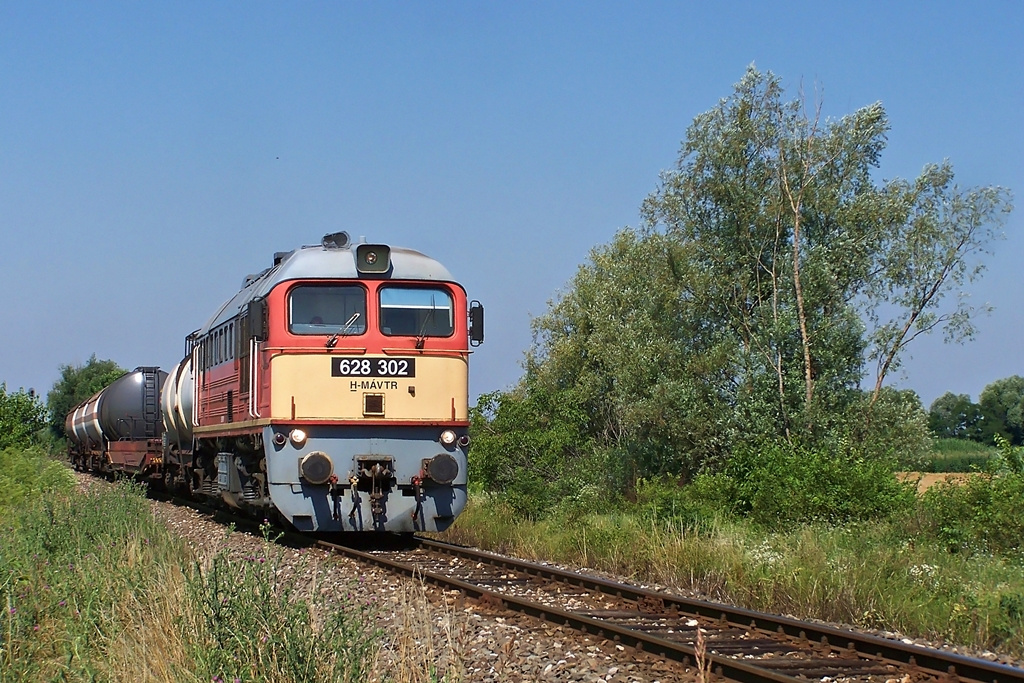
<point>334,337</point>
<point>421,337</point>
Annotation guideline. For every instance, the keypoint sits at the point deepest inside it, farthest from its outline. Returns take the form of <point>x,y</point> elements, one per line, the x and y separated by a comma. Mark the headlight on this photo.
<point>448,437</point>
<point>298,437</point>
<point>442,468</point>
<point>316,467</point>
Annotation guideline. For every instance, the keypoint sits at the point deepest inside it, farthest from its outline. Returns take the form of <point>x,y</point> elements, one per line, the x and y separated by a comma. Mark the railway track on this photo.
<point>738,644</point>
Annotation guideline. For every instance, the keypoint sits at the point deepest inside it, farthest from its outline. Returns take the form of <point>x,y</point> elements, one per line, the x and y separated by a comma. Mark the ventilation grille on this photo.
<point>373,404</point>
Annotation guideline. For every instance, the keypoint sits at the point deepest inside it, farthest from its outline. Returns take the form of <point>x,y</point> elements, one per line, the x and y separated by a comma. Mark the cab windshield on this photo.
<point>416,312</point>
<point>327,309</point>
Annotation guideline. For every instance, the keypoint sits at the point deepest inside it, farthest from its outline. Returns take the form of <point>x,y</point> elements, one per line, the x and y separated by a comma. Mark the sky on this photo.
<point>153,154</point>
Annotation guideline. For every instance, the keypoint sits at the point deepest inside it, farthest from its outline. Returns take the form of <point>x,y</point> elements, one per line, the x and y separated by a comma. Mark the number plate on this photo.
<point>373,367</point>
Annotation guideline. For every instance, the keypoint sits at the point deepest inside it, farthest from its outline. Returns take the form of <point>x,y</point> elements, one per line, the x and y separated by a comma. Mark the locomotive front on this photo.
<point>334,389</point>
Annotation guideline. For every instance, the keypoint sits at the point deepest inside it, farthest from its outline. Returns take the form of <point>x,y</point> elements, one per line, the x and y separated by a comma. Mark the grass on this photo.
<point>873,575</point>
<point>959,455</point>
<point>94,588</point>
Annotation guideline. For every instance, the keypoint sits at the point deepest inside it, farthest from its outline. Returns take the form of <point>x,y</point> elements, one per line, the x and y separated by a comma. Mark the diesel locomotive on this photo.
<point>331,391</point>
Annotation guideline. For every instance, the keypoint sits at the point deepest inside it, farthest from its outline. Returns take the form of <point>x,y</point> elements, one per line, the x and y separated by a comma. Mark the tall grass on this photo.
<point>243,622</point>
<point>872,575</point>
<point>959,455</point>
<point>69,568</point>
<point>93,587</point>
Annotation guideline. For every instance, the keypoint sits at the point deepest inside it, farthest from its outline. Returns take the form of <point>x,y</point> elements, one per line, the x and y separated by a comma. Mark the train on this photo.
<point>330,392</point>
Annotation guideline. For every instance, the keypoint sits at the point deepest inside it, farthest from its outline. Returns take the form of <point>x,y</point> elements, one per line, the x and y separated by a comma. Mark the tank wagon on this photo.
<point>331,390</point>
<point>120,427</point>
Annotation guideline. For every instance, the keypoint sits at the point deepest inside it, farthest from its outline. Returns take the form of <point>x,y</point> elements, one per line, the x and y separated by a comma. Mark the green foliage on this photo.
<point>628,348</point>
<point>530,450</point>
<point>730,334</point>
<point>959,455</point>
<point>892,428</point>
<point>22,417</point>
<point>27,474</point>
<point>979,515</point>
<point>76,384</point>
<point>1003,404</point>
<point>66,565</point>
<point>249,624</point>
<point>955,416</point>
<point>782,485</point>
<point>932,250</point>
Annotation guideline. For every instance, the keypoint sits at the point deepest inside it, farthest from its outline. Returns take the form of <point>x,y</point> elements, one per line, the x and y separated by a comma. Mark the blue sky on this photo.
<point>153,154</point>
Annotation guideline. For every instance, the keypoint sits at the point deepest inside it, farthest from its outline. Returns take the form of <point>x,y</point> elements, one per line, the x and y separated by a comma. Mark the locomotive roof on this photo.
<point>322,262</point>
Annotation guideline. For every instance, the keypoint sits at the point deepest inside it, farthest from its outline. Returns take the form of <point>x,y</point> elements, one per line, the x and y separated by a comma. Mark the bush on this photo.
<point>26,474</point>
<point>783,484</point>
<point>22,417</point>
<point>981,514</point>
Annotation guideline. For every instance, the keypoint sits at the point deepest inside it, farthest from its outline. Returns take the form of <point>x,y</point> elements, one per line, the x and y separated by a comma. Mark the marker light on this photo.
<point>298,437</point>
<point>448,437</point>
<point>280,438</point>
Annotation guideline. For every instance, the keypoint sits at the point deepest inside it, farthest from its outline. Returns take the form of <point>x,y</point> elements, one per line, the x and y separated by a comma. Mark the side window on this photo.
<point>327,309</point>
<point>416,312</point>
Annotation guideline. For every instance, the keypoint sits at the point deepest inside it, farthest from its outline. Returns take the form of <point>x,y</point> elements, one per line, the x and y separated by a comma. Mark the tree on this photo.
<point>629,344</point>
<point>806,247</point>
<point>1003,404</point>
<point>76,384</point>
<point>926,256</point>
<point>743,310</point>
<point>955,416</point>
<point>784,219</point>
<point>22,416</point>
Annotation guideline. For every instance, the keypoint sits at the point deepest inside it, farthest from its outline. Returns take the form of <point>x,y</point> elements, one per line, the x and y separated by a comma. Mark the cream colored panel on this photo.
<point>304,381</point>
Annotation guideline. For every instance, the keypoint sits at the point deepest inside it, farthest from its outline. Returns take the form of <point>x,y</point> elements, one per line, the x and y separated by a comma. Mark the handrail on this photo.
<point>195,385</point>
<point>254,347</point>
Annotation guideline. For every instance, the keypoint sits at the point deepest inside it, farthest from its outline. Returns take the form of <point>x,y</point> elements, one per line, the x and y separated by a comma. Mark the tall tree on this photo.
<point>955,416</point>
<point>745,307</point>
<point>926,255</point>
<point>785,218</point>
<point>77,383</point>
<point>1003,404</point>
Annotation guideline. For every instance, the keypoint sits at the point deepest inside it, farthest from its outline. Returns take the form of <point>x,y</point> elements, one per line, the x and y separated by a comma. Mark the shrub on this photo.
<point>781,484</point>
<point>983,513</point>
<point>22,417</point>
<point>958,455</point>
<point>27,473</point>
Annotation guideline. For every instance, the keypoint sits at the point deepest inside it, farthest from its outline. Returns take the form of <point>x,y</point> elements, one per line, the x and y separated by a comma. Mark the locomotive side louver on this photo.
<point>373,404</point>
